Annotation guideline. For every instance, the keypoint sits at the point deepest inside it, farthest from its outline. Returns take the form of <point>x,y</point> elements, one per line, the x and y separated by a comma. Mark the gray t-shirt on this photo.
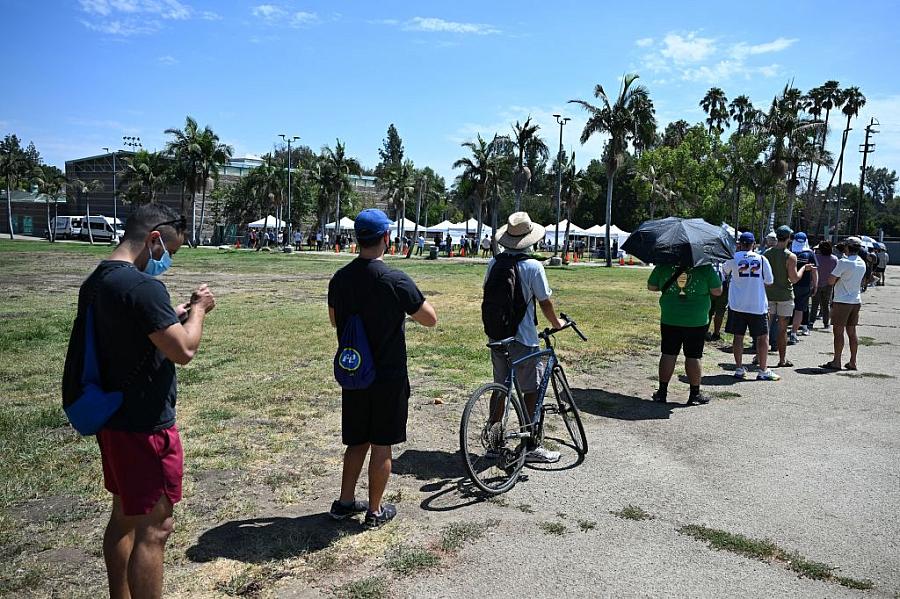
<point>535,288</point>
<point>849,272</point>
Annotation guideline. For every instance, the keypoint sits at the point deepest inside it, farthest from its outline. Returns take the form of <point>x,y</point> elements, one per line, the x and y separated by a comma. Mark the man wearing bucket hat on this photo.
<point>530,287</point>
<point>374,417</point>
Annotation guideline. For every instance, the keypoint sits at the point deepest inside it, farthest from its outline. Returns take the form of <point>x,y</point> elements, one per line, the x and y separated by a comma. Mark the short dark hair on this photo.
<point>370,242</point>
<point>150,217</point>
<point>825,248</point>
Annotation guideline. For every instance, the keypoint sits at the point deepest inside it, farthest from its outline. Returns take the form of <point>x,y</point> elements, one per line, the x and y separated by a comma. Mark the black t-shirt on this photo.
<point>128,306</point>
<point>805,257</point>
<point>383,297</point>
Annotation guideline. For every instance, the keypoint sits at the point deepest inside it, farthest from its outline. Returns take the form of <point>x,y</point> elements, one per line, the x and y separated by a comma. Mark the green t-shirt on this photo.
<point>692,308</point>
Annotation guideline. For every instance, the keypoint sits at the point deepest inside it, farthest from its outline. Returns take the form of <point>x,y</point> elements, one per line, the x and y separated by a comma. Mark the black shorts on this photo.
<point>739,322</point>
<point>375,415</point>
<point>801,299</point>
<point>673,338</point>
<point>719,302</point>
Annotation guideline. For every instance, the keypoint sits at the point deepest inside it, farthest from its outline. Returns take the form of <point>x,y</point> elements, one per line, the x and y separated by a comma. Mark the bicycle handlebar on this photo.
<point>570,324</point>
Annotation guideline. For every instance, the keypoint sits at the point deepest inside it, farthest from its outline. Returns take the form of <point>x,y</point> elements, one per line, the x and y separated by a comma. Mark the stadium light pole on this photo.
<point>289,227</point>
<point>128,142</point>
<point>115,194</point>
<point>562,120</point>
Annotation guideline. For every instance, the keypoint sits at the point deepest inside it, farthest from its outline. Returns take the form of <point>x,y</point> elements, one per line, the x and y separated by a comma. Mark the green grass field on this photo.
<point>258,406</point>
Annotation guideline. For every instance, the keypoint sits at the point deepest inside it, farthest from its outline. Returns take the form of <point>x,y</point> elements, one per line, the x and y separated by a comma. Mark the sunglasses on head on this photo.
<point>179,224</point>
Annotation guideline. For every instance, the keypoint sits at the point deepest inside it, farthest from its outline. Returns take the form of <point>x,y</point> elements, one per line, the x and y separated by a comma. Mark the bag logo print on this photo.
<point>350,359</point>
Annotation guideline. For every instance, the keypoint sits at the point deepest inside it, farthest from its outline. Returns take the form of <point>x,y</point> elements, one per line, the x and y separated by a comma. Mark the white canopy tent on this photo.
<point>269,222</point>
<point>441,227</point>
<point>457,230</point>
<point>574,231</point>
<point>408,227</point>
<point>615,233</point>
<point>346,223</point>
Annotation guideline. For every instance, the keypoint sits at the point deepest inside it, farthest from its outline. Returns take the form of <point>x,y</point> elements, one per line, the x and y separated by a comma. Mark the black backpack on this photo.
<point>504,305</point>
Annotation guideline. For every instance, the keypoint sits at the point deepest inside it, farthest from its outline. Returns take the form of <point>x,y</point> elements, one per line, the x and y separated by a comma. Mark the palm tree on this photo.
<point>645,124</point>
<point>577,185</point>
<point>267,183</point>
<point>740,110</point>
<point>659,188</point>
<point>525,140</point>
<point>185,149</point>
<point>51,184</point>
<point>148,171</point>
<point>339,167</point>
<point>211,154</point>
<point>84,188</point>
<point>14,167</point>
<point>618,119</point>
<point>715,105</point>
<point>482,168</point>
<point>852,100</point>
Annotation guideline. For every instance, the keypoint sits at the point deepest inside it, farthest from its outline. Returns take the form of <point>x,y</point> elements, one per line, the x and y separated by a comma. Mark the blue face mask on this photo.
<point>156,267</point>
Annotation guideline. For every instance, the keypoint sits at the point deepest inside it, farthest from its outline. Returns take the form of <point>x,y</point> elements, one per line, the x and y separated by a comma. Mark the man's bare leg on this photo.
<point>838,344</point>
<point>694,370</point>
<point>354,458</point>
<point>118,540</point>
<point>762,352</point>
<point>379,473</point>
<point>782,339</point>
<point>737,348</point>
<point>145,567</point>
<point>854,344</point>
<point>666,367</point>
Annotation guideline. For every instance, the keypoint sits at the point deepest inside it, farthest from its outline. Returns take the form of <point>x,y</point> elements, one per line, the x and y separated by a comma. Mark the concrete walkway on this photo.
<point>811,462</point>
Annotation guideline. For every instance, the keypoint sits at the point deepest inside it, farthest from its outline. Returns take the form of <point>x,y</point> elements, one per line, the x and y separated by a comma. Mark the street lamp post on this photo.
<point>128,142</point>
<point>562,120</point>
<point>289,227</point>
<point>115,191</point>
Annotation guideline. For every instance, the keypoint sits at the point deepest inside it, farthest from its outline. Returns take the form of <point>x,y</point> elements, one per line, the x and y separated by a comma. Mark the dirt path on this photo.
<point>809,463</point>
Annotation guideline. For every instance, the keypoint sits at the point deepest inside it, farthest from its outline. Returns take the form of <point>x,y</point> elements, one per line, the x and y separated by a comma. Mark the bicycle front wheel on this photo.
<point>493,437</point>
<point>569,411</point>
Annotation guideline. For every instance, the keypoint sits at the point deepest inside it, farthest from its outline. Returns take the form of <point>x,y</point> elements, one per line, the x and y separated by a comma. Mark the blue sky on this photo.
<point>81,74</point>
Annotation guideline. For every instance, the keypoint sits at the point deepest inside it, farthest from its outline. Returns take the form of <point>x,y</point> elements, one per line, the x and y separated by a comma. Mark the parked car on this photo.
<point>103,228</point>
<point>67,227</point>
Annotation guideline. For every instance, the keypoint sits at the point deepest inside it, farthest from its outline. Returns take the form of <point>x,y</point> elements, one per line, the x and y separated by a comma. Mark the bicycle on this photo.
<point>495,434</point>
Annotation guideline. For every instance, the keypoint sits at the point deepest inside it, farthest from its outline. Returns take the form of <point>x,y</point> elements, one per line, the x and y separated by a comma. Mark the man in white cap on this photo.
<point>514,282</point>
<point>847,278</point>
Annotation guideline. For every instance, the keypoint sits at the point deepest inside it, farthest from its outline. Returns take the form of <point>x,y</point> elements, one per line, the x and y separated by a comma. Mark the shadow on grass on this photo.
<point>259,540</point>
<point>622,407</point>
<point>459,494</point>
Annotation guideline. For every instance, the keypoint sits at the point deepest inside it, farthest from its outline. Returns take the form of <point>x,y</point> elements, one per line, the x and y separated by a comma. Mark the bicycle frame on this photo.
<point>512,383</point>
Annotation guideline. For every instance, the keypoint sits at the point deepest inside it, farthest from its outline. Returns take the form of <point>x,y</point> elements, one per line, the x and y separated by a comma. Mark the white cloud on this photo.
<point>686,49</point>
<point>434,24</point>
<point>208,15</point>
<point>268,12</point>
<point>123,18</point>
<point>742,49</point>
<point>168,60</point>
<point>301,18</point>
<point>691,57</point>
<point>274,14</point>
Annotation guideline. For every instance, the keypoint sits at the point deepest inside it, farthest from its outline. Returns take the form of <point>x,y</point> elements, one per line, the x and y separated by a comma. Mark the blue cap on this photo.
<point>371,223</point>
<point>747,237</point>
<point>800,236</point>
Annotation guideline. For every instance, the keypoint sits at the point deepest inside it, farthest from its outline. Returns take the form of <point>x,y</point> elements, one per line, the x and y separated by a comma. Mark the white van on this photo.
<point>103,228</point>
<point>67,227</point>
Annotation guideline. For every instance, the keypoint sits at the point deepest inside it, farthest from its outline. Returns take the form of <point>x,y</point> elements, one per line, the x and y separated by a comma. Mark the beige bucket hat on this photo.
<point>519,232</point>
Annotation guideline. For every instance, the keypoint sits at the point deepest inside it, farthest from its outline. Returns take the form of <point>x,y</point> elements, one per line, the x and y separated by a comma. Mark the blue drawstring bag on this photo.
<point>354,365</point>
<point>93,407</point>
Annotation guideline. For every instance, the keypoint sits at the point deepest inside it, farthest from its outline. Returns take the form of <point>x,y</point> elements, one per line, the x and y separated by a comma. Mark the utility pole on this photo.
<point>865,149</point>
<point>284,137</point>
<point>562,120</point>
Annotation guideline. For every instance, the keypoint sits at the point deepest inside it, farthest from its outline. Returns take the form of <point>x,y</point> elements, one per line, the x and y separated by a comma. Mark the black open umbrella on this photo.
<point>687,242</point>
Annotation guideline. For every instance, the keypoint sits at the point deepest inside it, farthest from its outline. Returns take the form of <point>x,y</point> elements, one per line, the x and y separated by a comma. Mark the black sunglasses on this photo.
<point>179,224</point>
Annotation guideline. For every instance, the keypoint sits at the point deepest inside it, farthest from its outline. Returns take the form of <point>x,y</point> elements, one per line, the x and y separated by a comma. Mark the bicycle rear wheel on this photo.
<point>569,411</point>
<point>493,437</point>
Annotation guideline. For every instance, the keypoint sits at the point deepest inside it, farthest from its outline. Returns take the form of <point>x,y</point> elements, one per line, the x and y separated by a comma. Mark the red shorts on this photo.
<point>140,467</point>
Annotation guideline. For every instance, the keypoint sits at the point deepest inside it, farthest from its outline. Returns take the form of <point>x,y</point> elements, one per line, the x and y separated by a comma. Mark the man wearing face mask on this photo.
<point>139,337</point>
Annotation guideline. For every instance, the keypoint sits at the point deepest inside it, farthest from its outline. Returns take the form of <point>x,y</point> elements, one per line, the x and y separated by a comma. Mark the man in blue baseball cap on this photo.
<point>748,305</point>
<point>374,418</point>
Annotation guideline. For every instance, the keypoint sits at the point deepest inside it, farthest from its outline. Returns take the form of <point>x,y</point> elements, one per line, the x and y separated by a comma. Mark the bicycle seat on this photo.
<point>501,344</point>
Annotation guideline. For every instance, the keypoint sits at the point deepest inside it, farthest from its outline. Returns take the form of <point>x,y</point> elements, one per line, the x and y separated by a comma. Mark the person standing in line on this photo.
<point>374,419</point>
<point>139,337</point>
<point>420,245</point>
<point>883,261</point>
<point>719,306</point>
<point>486,246</point>
<point>781,291</point>
<point>821,301</point>
<point>804,287</point>
<point>847,279</point>
<point>684,303</point>
<point>748,307</point>
<point>514,263</point>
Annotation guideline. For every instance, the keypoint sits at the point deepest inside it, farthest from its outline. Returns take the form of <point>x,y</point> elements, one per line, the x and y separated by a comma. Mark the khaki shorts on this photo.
<point>528,374</point>
<point>844,315</point>
<point>783,309</point>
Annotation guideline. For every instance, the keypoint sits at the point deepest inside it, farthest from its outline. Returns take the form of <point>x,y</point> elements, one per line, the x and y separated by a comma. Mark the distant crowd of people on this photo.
<point>777,294</point>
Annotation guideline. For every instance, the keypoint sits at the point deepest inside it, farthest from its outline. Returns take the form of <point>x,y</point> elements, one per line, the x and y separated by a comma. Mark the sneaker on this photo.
<point>740,373</point>
<point>541,455</point>
<point>388,512</point>
<point>767,375</point>
<point>792,339</point>
<point>715,337</point>
<point>659,397</point>
<point>804,330</point>
<point>339,511</point>
<point>700,398</point>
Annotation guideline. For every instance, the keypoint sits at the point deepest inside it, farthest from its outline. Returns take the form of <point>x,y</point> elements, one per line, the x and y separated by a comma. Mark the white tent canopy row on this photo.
<point>268,222</point>
<point>597,231</point>
<point>459,229</point>
<point>346,223</point>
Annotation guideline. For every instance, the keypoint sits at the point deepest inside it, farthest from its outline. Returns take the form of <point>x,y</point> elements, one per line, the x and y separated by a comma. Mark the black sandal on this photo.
<point>829,366</point>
